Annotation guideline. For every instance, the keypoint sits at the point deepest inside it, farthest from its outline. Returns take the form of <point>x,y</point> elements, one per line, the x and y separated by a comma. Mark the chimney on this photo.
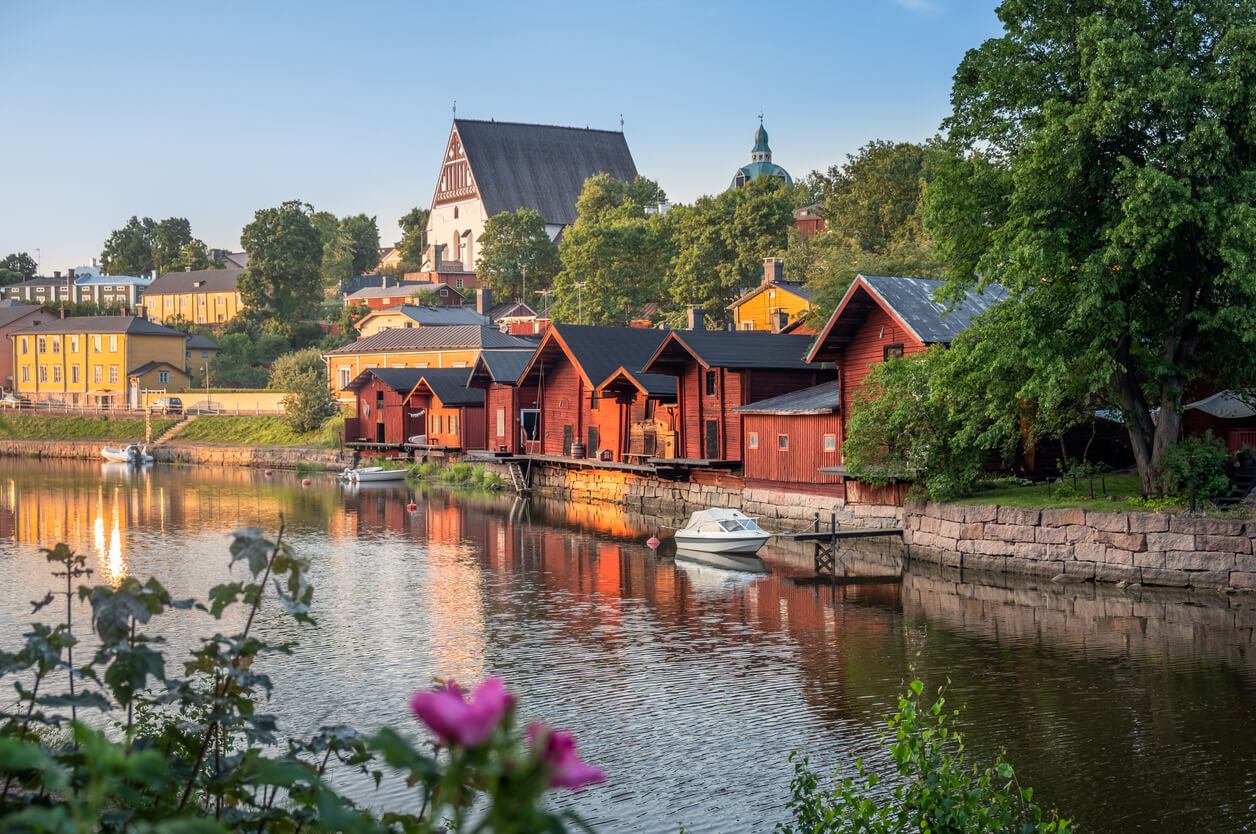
<point>696,319</point>
<point>140,312</point>
<point>187,268</point>
<point>779,319</point>
<point>483,300</point>
<point>773,269</point>
<point>56,274</point>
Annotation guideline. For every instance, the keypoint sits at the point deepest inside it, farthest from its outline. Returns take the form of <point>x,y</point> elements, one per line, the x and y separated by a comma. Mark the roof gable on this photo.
<point>598,352</point>
<point>449,385</point>
<point>733,349</point>
<point>799,291</point>
<point>540,167</point>
<point>500,366</point>
<point>10,315</point>
<point>401,380</point>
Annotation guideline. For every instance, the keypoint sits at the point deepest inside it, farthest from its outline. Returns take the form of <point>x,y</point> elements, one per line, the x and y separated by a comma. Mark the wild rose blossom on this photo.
<point>457,721</point>
<point>557,750</point>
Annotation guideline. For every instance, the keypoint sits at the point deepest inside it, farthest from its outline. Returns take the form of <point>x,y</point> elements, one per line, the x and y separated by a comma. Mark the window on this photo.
<point>113,344</point>
<point>41,345</point>
<point>345,378</point>
<point>830,443</point>
<point>747,325</point>
<point>220,300</point>
<point>113,373</point>
<point>458,283</point>
<point>501,422</point>
<point>56,373</point>
<point>74,344</point>
<point>453,423</point>
<point>752,440</point>
<point>459,365</point>
<point>163,377</point>
<point>594,401</point>
<point>782,442</point>
<point>891,351</point>
<point>25,348</point>
<point>204,354</point>
<point>56,345</point>
<point>43,373</point>
<point>74,374</point>
<point>98,372</point>
<point>710,383</point>
<point>455,212</point>
<point>201,300</point>
<point>96,345</point>
<point>26,373</point>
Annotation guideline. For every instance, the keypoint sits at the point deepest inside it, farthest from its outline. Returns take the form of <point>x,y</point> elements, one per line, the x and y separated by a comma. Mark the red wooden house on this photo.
<point>510,411</point>
<point>567,370</point>
<point>453,414</point>
<point>382,413</point>
<point>647,418</point>
<point>788,441</point>
<point>718,371</point>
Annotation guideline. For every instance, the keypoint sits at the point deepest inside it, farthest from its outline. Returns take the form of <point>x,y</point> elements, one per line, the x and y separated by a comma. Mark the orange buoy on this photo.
<point>269,473</point>
<point>653,542</point>
<point>305,482</point>
<point>412,506</point>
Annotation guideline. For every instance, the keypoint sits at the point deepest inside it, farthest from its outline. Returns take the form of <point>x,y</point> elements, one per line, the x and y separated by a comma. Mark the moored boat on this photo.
<point>719,530</point>
<point>133,453</point>
<point>373,473</point>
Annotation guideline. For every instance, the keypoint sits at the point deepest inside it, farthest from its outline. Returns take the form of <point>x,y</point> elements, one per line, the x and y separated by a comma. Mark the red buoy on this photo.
<point>412,506</point>
<point>305,482</point>
<point>653,542</point>
<point>269,473</point>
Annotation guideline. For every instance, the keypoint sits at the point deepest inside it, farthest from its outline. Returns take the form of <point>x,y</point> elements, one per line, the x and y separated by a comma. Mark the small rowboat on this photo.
<point>373,473</point>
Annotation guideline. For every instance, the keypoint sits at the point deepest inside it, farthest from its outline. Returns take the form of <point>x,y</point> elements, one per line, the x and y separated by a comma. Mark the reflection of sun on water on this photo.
<point>109,557</point>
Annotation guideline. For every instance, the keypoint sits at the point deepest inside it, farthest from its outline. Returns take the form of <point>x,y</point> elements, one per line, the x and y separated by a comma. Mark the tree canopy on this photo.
<point>413,240</point>
<point>1106,180</point>
<point>350,248</point>
<point>18,266</point>
<point>142,246</point>
<point>515,246</point>
<point>285,256</point>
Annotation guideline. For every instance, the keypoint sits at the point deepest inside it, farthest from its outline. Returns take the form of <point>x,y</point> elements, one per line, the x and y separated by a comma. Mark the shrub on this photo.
<point>310,403</point>
<point>427,469</point>
<point>935,790</point>
<point>460,473</point>
<point>1196,467</point>
<point>288,370</point>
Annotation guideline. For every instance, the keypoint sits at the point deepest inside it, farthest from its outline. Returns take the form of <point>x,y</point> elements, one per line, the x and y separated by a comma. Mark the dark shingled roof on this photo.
<point>504,366</point>
<point>912,300</point>
<point>11,313</point>
<point>742,348</point>
<point>400,380</point>
<point>601,351</point>
<point>431,338</point>
<point>131,325</point>
<point>819,399</point>
<point>450,386</point>
<point>212,280</point>
<point>433,316</point>
<point>540,167</point>
<point>152,366</point>
<point>654,385</point>
<point>199,342</point>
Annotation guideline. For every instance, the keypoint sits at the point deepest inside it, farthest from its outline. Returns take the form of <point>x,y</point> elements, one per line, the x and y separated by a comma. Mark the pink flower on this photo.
<point>457,721</point>
<point>557,749</point>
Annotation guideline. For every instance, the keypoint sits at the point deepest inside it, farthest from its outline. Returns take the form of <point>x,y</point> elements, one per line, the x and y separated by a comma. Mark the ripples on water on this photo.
<point>688,684</point>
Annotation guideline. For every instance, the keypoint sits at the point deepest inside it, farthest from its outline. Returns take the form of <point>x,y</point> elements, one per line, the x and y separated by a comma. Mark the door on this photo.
<point>379,433</point>
<point>712,439</point>
<point>567,441</point>
<point>593,440</point>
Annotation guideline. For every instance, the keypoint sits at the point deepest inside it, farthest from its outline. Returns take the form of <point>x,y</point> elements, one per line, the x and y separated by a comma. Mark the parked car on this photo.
<point>166,405</point>
<point>10,401</point>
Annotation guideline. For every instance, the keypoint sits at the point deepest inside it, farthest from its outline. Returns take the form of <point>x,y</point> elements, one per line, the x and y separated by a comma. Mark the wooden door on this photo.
<point>712,439</point>
<point>567,441</point>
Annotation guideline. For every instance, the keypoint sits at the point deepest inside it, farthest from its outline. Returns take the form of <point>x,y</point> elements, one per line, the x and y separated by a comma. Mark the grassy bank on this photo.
<point>30,427</point>
<point>1122,488</point>
<point>258,431</point>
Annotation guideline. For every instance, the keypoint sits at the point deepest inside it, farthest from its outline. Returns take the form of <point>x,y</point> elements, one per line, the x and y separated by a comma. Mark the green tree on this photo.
<point>352,249</point>
<point>614,257</point>
<point>129,250</point>
<point>285,254</point>
<point>18,266</point>
<point>720,243</point>
<point>310,401</point>
<point>288,368</point>
<point>515,247</point>
<point>876,198</point>
<point>413,240</point>
<point>194,255</point>
<point>1114,197</point>
<point>169,238</point>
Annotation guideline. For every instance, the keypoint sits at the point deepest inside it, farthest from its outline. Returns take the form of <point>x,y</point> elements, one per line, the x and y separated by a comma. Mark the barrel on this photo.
<point>577,450</point>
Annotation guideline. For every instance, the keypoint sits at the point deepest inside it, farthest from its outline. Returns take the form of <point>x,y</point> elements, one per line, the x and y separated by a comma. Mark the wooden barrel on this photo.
<point>577,449</point>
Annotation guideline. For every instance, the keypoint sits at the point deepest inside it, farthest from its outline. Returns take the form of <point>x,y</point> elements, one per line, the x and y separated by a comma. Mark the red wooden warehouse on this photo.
<point>790,439</point>
<point>453,413</point>
<point>382,414</point>
<point>718,371</point>
<point>510,410</point>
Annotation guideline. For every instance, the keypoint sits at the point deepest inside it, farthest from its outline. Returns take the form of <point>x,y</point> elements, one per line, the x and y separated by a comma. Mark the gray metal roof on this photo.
<point>741,348</point>
<point>819,399</point>
<point>199,342</point>
<point>430,338</point>
<point>436,316</point>
<point>450,386</point>
<point>209,280</point>
<point>403,289</point>
<point>11,313</point>
<point>601,351</point>
<point>505,365</point>
<point>131,325</point>
<point>540,167</point>
<point>911,299</point>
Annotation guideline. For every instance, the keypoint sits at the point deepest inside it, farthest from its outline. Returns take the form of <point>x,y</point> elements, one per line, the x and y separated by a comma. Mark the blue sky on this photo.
<point>211,111</point>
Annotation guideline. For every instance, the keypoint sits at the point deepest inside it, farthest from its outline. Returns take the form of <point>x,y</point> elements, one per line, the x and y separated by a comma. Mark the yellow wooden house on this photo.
<point>454,346</point>
<point>205,296</point>
<point>88,361</point>
<point>774,303</point>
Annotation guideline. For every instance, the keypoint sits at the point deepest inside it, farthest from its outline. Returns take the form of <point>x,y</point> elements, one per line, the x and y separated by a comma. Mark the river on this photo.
<point>689,685</point>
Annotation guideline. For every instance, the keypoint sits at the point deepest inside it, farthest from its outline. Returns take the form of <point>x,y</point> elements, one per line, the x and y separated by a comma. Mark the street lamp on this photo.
<point>579,285</point>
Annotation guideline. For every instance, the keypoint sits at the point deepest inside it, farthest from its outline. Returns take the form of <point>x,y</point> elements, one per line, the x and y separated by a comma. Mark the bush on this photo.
<point>427,469</point>
<point>288,370</point>
<point>310,403</point>
<point>1196,467</point>
<point>194,752</point>
<point>935,790</point>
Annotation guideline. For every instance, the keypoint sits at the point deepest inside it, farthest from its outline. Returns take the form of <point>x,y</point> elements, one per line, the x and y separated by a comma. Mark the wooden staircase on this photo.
<point>175,429</point>
<point>1242,484</point>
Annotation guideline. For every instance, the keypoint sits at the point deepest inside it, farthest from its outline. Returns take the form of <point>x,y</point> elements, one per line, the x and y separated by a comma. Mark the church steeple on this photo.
<point>761,164</point>
<point>761,152</point>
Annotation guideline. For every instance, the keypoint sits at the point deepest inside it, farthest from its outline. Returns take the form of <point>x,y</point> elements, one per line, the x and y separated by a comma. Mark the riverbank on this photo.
<point>267,457</point>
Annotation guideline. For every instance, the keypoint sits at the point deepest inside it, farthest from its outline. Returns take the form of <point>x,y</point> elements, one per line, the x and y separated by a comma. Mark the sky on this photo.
<point>213,110</point>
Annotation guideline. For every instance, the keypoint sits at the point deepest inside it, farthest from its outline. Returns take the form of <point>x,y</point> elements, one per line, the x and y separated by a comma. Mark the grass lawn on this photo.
<point>1123,487</point>
<point>28,427</point>
<point>256,431</point>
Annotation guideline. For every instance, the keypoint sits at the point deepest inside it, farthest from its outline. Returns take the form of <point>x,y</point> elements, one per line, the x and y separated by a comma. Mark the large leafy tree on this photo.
<point>516,250</point>
<point>18,266</point>
<point>413,240</point>
<point>351,248</point>
<point>145,245</point>
<point>1109,184</point>
<point>614,256</point>
<point>285,255</point>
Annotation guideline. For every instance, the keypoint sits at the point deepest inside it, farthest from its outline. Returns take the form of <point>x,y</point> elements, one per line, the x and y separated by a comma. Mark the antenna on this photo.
<point>760,115</point>
<point>456,110</point>
<point>621,122</point>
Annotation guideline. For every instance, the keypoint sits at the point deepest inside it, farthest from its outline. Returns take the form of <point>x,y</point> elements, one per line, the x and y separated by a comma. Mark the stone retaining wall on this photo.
<point>1145,548</point>
<point>648,494</point>
<point>268,457</point>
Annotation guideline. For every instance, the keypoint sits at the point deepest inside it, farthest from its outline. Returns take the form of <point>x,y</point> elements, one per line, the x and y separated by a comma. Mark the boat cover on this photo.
<point>721,519</point>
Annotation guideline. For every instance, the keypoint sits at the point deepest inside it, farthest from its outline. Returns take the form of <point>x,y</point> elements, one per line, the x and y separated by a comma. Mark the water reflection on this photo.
<point>689,683</point>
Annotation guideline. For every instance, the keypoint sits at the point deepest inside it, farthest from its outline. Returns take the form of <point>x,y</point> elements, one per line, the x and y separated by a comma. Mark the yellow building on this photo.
<point>456,346</point>
<point>415,315</point>
<point>206,296</point>
<point>91,360</point>
<point>774,303</point>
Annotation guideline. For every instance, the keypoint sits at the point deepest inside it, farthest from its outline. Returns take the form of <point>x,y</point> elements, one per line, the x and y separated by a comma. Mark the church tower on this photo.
<point>761,164</point>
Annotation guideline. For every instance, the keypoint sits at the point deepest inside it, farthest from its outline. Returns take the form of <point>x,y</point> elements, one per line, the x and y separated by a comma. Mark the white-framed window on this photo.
<point>26,373</point>
<point>41,345</point>
<point>346,376</point>
<point>453,423</point>
<point>204,354</point>
<point>782,442</point>
<point>74,344</point>
<point>98,372</point>
<point>43,373</point>
<point>501,422</point>
<point>56,344</point>
<point>113,344</point>
<point>74,374</point>
<point>113,373</point>
<point>96,344</point>
<point>459,365</point>
<point>752,440</point>
<point>163,377</point>
<point>747,325</point>
<point>25,347</point>
<point>830,443</point>
<point>56,373</point>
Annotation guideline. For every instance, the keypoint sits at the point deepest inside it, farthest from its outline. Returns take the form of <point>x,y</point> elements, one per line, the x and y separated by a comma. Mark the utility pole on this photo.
<point>580,300</point>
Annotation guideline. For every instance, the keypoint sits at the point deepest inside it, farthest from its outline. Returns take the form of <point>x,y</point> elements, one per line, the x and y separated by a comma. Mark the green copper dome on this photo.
<point>761,164</point>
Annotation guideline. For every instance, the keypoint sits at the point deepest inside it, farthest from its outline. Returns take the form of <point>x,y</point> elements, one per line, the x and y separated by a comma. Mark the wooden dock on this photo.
<point>826,547</point>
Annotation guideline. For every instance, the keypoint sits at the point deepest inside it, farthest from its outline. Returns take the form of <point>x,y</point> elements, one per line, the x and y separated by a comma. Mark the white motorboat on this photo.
<point>366,474</point>
<point>719,530</point>
<point>133,453</point>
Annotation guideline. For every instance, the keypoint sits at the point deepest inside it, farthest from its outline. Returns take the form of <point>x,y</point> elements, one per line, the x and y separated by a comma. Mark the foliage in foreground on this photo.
<point>933,790</point>
<point>193,753</point>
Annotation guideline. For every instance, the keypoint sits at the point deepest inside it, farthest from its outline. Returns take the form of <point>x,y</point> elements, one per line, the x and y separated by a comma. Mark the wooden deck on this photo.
<point>829,535</point>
